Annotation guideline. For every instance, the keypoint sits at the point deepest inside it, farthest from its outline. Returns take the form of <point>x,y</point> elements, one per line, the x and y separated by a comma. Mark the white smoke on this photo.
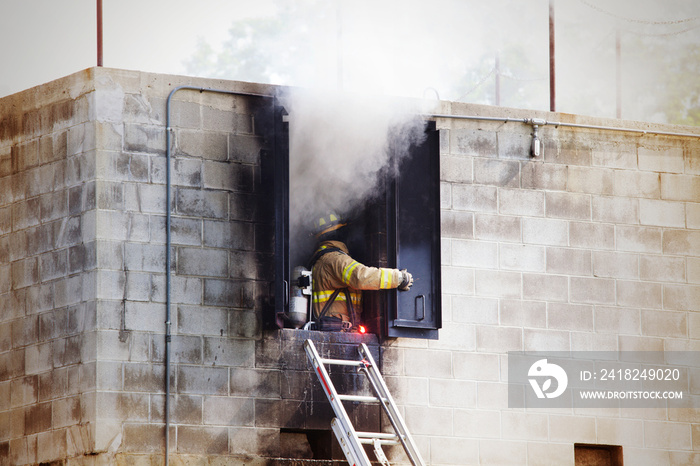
<point>341,148</point>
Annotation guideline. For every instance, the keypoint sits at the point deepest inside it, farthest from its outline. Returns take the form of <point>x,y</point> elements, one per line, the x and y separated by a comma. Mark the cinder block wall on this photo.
<point>595,245</point>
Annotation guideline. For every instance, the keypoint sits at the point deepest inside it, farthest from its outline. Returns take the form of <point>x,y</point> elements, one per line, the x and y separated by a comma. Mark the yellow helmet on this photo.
<point>328,223</point>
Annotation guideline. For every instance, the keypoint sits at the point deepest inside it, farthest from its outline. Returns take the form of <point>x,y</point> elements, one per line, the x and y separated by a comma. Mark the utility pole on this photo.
<point>498,80</point>
<point>618,73</point>
<point>99,32</point>
<point>552,77</point>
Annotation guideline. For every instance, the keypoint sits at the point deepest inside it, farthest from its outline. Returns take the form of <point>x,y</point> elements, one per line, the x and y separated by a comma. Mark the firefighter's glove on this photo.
<point>406,280</point>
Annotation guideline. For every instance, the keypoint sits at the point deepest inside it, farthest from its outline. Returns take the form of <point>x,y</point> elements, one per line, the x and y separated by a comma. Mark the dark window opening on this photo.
<point>399,227</point>
<point>597,455</point>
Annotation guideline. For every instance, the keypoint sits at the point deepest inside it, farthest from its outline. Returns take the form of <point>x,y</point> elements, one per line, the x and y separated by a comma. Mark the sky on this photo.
<point>409,48</point>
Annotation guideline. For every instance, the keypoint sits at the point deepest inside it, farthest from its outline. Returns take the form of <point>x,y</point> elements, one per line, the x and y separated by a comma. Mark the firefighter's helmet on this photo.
<point>328,223</point>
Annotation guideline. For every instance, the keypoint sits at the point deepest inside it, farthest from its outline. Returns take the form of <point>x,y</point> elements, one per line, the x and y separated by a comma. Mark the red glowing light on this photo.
<point>362,329</point>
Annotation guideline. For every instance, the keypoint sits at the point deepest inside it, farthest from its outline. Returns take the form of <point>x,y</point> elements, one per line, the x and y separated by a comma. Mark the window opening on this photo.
<point>597,455</point>
<point>394,225</point>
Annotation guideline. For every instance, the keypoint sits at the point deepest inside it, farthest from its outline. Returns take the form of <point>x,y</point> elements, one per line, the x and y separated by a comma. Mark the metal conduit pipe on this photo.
<point>543,122</point>
<point>168,241</point>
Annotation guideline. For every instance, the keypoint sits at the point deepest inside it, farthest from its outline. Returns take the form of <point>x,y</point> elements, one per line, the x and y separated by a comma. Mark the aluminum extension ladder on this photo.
<point>351,441</point>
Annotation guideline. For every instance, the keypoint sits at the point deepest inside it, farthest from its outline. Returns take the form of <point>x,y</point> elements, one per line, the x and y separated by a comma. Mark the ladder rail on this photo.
<point>342,426</point>
<point>351,441</point>
<point>387,401</point>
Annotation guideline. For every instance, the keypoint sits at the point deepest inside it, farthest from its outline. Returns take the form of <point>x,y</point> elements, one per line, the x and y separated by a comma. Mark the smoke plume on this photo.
<point>340,148</point>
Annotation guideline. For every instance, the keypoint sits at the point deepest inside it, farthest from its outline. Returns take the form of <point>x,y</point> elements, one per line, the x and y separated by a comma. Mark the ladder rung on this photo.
<point>364,399</point>
<point>341,362</point>
<point>368,441</point>
<point>379,435</point>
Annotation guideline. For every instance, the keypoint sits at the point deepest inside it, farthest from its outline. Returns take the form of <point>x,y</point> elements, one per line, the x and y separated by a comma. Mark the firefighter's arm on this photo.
<point>362,277</point>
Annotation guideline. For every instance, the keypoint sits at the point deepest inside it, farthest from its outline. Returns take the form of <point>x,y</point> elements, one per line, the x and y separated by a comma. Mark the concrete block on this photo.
<point>477,424</point>
<point>474,254</point>
<point>615,155</point>
<point>552,454</point>
<point>197,439</point>
<point>615,210</point>
<point>40,239</point>
<point>474,310</point>
<point>202,144</point>
<point>228,352</point>
<point>202,262</point>
<point>457,224</point>
<point>245,148</point>
<point>456,169</point>
<point>681,242</point>
<point>408,390</point>
<point>184,409</point>
<point>233,235</point>
<point>692,216</point>
<point>144,257</point>
<point>590,180</point>
<point>567,261</point>
<point>521,202</point>
<point>255,383</point>
<point>543,176</point>
<point>638,239</point>
<point>198,203</point>
<point>497,227</point>
<point>426,420</point>
<point>123,406</point>
<point>636,184</point>
<point>524,426</point>
<point>202,380</point>
<point>542,287</point>
<point>228,411</point>
<point>427,363</point>
<point>680,187</point>
<point>187,172</point>
<point>53,205</point>
<point>38,358</point>
<point>25,272</point>
<point>681,297</point>
<point>477,366</point>
<point>617,320</point>
<point>240,294</point>
<point>492,339</point>
<point>563,316</point>
<point>144,138</point>
<point>475,198</point>
<point>144,377</point>
<point>545,340</point>
<point>24,391</point>
<point>498,283</point>
<point>502,452</point>
<point>121,166</point>
<point>662,268</point>
<point>517,313</point>
<point>144,437</point>
<point>522,257</point>
<point>147,198</point>
<point>447,451</point>
<point>496,172</point>
<point>661,213</point>
<point>667,435</point>
<point>246,207</point>
<point>661,159</point>
<point>592,290</point>
<point>665,324</point>
<point>588,341</point>
<point>473,142</point>
<point>26,214</point>
<point>545,231</point>
<point>454,393</point>
<point>572,429</point>
<point>639,343</point>
<point>607,264</point>
<point>568,205</point>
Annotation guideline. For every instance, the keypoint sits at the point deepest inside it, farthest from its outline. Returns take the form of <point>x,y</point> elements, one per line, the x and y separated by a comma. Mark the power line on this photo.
<point>639,21</point>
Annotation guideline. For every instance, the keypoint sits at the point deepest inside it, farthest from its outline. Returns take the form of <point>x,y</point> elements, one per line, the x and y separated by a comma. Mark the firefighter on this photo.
<point>338,279</point>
